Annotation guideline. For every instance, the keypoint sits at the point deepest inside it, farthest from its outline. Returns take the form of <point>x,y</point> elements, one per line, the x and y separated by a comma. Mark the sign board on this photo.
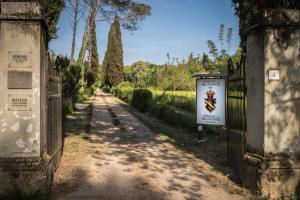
<point>19,80</point>
<point>211,101</point>
<point>20,59</point>
<point>19,102</point>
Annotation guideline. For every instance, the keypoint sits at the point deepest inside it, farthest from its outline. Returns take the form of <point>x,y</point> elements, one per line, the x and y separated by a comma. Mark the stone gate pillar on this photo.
<point>272,161</point>
<point>25,164</point>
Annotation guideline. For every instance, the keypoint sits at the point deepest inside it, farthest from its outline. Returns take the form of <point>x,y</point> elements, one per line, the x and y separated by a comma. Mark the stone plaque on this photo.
<point>19,102</point>
<point>19,80</point>
<point>19,59</point>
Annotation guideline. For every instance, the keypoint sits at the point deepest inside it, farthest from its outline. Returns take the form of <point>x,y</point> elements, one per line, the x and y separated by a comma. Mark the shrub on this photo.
<point>67,107</point>
<point>70,82</point>
<point>126,84</point>
<point>123,93</point>
<point>141,99</point>
<point>106,90</point>
<point>180,99</point>
<point>173,117</point>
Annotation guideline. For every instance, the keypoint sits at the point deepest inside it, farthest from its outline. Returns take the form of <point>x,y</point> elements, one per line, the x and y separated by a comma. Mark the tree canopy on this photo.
<point>51,11</point>
<point>247,11</point>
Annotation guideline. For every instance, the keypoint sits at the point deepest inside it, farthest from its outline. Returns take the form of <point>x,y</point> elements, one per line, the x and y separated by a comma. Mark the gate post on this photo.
<point>272,159</point>
<point>25,165</point>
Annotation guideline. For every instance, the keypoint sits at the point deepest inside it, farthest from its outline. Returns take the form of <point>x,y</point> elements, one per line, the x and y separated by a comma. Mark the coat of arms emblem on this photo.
<point>210,101</point>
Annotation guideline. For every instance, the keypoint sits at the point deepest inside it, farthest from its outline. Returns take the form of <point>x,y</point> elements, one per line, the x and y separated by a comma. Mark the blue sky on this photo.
<point>177,27</point>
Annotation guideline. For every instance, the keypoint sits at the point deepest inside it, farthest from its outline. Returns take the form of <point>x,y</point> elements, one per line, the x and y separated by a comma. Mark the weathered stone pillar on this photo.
<point>272,161</point>
<point>25,164</point>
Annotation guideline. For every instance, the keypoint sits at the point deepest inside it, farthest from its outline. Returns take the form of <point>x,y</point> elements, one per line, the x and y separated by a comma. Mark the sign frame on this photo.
<point>212,77</point>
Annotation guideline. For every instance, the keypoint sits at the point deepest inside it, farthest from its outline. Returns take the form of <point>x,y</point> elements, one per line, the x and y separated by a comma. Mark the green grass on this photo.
<point>180,99</point>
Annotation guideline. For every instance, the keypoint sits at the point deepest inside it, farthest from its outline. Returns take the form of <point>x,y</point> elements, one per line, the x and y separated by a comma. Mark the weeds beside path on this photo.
<point>121,158</point>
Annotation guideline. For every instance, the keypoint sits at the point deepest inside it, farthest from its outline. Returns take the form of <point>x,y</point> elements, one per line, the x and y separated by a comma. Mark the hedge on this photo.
<point>123,93</point>
<point>173,117</point>
<point>141,99</point>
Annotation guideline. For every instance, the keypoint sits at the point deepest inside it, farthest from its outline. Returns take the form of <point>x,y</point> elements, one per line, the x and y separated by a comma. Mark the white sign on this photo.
<point>274,74</point>
<point>211,101</point>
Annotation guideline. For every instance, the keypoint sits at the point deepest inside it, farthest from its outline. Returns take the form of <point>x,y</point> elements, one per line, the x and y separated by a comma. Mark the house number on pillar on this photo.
<point>274,75</point>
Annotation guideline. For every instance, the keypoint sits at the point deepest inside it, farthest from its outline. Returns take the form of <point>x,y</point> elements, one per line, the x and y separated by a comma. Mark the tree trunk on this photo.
<point>75,25</point>
<point>86,40</point>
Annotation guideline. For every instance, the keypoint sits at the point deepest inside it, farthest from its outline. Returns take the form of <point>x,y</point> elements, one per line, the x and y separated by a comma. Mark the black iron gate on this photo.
<point>236,112</point>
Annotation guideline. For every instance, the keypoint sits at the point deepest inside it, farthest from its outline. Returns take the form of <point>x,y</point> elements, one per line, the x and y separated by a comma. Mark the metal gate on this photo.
<point>54,114</point>
<point>236,112</point>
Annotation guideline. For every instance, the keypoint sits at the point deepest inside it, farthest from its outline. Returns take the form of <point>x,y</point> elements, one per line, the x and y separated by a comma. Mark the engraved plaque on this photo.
<point>19,80</point>
<point>19,59</point>
<point>19,102</point>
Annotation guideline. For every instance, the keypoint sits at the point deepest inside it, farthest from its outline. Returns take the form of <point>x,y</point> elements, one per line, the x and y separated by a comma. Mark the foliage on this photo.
<point>207,63</point>
<point>179,99</point>
<point>113,61</point>
<point>94,60</point>
<point>141,74</point>
<point>124,93</point>
<point>70,79</point>
<point>222,38</point>
<point>213,49</point>
<point>141,99</point>
<point>247,11</point>
<point>229,39</point>
<point>126,84</point>
<point>163,106</point>
<point>130,13</point>
<point>51,11</point>
<point>67,107</point>
<point>174,117</point>
<point>175,77</point>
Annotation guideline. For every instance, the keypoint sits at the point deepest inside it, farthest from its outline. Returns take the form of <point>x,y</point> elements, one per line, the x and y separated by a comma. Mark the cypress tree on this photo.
<point>93,62</point>
<point>113,61</point>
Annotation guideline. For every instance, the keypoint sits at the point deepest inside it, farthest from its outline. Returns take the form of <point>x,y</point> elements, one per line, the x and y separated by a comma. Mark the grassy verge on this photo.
<point>78,122</point>
<point>76,147</point>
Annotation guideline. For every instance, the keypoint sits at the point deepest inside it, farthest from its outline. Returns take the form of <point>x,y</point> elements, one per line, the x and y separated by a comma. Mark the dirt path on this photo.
<point>125,160</point>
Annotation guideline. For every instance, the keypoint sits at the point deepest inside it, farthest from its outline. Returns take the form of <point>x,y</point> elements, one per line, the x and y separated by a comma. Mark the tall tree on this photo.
<point>221,37</point>
<point>229,39</point>
<point>192,64</point>
<point>51,11</point>
<point>206,63</point>
<point>113,60</point>
<point>94,8</point>
<point>130,14</point>
<point>94,56</point>
<point>212,49</point>
<point>75,9</point>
